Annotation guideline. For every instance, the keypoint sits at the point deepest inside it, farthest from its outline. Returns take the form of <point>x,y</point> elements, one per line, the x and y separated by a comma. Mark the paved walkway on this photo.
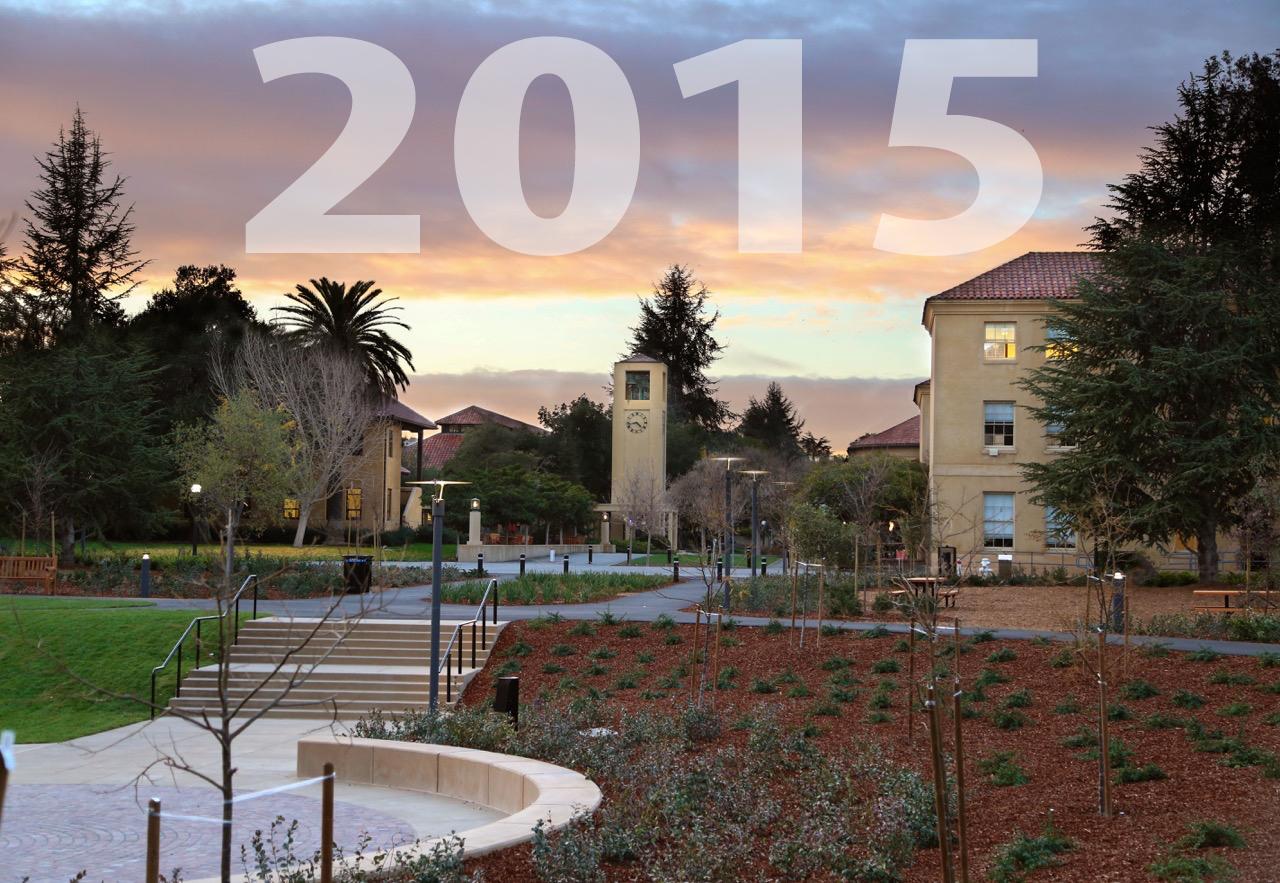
<point>76,805</point>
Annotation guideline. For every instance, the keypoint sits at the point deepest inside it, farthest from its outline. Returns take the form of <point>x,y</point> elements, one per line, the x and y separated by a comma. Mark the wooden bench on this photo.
<point>1227,594</point>
<point>29,569</point>
<point>948,597</point>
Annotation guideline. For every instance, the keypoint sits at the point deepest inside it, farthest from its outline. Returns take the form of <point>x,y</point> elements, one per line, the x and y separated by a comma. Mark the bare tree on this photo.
<point>644,505</point>
<point>331,410</point>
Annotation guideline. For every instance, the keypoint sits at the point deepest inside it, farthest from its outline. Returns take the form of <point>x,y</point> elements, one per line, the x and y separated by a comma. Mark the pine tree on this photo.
<point>675,328</point>
<point>773,423</point>
<point>80,261</point>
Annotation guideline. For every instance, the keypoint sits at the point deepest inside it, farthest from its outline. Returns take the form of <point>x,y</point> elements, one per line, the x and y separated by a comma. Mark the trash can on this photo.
<point>357,573</point>
<point>1004,567</point>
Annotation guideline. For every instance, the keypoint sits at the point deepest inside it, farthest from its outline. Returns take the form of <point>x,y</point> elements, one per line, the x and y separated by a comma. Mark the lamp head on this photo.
<point>195,489</point>
<point>439,484</point>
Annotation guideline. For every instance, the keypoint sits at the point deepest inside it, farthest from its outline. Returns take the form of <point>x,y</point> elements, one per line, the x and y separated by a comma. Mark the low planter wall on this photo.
<point>495,553</point>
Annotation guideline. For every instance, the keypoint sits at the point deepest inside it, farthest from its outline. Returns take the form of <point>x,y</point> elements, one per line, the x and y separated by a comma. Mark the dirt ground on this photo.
<point>1058,701</point>
<point>1053,608</point>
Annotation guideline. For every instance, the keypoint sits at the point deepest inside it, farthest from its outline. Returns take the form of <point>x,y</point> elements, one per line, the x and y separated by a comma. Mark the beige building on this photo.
<point>975,429</point>
<point>376,498</point>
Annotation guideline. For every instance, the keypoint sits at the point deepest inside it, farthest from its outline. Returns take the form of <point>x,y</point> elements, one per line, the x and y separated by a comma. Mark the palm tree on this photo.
<point>352,321</point>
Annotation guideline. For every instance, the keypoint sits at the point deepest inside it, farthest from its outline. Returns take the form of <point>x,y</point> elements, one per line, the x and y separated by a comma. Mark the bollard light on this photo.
<point>145,587</point>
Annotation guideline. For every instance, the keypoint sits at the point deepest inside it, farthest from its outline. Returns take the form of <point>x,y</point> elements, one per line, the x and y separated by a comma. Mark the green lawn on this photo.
<point>165,549</point>
<point>113,644</point>
<point>691,559</point>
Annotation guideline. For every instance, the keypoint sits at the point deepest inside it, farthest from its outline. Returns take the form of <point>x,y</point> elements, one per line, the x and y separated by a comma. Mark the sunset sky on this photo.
<point>174,91</point>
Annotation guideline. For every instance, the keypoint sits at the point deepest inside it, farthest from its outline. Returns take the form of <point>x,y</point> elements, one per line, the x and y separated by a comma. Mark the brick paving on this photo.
<point>52,832</point>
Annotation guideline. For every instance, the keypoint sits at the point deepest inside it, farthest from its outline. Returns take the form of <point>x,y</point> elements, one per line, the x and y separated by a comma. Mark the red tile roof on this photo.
<point>904,435</point>
<point>1036,275</point>
<point>436,450</point>
<point>474,415</point>
<point>404,415</point>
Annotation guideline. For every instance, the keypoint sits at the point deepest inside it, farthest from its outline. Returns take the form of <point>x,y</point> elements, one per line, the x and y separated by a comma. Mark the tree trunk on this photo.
<point>228,773</point>
<point>1207,553</point>
<point>304,510</point>
<point>67,552</point>
<point>229,547</point>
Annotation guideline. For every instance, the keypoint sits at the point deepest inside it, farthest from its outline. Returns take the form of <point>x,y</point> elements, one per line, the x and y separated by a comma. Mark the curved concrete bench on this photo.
<point>527,790</point>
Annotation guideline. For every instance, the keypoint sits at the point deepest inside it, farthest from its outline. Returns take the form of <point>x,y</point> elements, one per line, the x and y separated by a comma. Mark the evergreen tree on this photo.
<point>77,438</point>
<point>184,326</point>
<point>579,447</point>
<point>815,447</point>
<point>772,423</point>
<point>675,328</point>
<point>79,260</point>
<point>1169,380</point>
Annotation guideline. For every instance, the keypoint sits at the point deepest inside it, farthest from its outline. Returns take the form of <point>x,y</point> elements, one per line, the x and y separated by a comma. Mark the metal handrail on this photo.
<point>233,604</point>
<point>479,619</point>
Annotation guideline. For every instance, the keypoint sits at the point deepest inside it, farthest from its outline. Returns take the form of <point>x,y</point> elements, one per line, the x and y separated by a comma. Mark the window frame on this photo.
<point>990,431</point>
<point>1056,343</point>
<point>291,505</point>
<point>630,385</point>
<point>356,494</point>
<point>1004,543</point>
<point>1009,344</point>
<point>1055,535</point>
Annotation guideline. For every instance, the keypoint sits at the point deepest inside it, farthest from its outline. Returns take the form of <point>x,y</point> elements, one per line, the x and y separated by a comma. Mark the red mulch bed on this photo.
<point>1151,814</point>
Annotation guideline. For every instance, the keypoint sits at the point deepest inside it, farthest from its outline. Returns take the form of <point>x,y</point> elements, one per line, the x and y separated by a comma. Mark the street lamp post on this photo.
<point>755,516</point>
<point>191,507</point>
<point>728,523</point>
<point>437,528</point>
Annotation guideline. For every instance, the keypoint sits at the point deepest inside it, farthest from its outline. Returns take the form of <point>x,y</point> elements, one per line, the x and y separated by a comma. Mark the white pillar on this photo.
<point>473,532</point>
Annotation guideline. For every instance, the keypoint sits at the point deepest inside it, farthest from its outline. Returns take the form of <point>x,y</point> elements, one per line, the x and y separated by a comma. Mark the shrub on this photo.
<point>984,637</point>
<point>1268,660</point>
<point>989,677</point>
<point>759,686</point>
<point>836,663</point>
<point>842,695</point>
<point>1272,719</point>
<point>562,650</point>
<point>1161,721</point>
<point>571,854</point>
<point>672,639</point>
<point>882,603</point>
<point>788,677</point>
<point>725,679</point>
<point>1150,773</point>
<point>878,631</point>
<point>901,646</point>
<point>1175,868</point>
<point>885,666</point>
<point>1187,700</point>
<point>799,691</point>
<point>1004,654</point>
<point>773,627</point>
<point>1003,769</point>
<point>1009,720</point>
<point>582,629</point>
<point>608,617</point>
<point>699,724</point>
<point>1235,709</point>
<point>1232,679</point>
<point>1210,835</point>
<point>1017,699</point>
<point>509,667</point>
<point>630,630</point>
<point>878,717</point>
<point>830,631</point>
<point>880,701</point>
<point>1069,705</point>
<point>1064,658</point>
<point>1022,855</point>
<point>825,709</point>
<point>595,670</point>
<point>1084,737</point>
<point>1157,650</point>
<point>603,653</point>
<point>1138,690</point>
<point>1204,654</point>
<point>1118,712</point>
<point>663,623</point>
<point>551,668</point>
<point>519,648</point>
<point>627,681</point>
<point>644,657</point>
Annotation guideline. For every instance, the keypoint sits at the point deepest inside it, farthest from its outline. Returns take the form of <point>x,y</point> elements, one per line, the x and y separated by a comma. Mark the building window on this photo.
<point>1000,342</point>
<point>1056,343</point>
<point>637,386</point>
<point>389,448</point>
<point>388,504</point>
<point>997,521</point>
<point>1057,532</point>
<point>353,503</point>
<point>291,509</point>
<point>997,424</point>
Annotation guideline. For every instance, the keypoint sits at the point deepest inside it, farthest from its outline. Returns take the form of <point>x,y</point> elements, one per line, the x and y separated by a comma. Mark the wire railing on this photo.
<point>233,606</point>
<point>479,620</point>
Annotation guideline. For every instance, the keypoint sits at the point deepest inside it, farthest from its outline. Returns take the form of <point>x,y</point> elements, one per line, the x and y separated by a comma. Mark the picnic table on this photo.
<point>1227,595</point>
<point>930,586</point>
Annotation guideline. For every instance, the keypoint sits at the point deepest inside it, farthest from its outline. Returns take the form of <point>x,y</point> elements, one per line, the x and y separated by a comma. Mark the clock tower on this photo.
<point>639,474</point>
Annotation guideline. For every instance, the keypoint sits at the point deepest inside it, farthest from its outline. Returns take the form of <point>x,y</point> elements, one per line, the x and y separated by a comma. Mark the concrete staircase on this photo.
<point>347,668</point>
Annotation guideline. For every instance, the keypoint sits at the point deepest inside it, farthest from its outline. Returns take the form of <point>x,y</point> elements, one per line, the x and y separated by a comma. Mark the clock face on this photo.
<point>637,421</point>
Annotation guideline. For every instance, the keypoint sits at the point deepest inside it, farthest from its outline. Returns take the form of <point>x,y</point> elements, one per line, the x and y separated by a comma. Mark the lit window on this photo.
<point>997,424</point>
<point>997,521</point>
<point>1056,343</point>
<point>1057,531</point>
<point>637,386</point>
<point>353,503</point>
<point>1000,342</point>
<point>292,509</point>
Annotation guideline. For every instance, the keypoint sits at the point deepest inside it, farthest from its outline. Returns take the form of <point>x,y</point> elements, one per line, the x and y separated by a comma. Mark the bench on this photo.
<point>29,569</point>
<point>1227,594</point>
